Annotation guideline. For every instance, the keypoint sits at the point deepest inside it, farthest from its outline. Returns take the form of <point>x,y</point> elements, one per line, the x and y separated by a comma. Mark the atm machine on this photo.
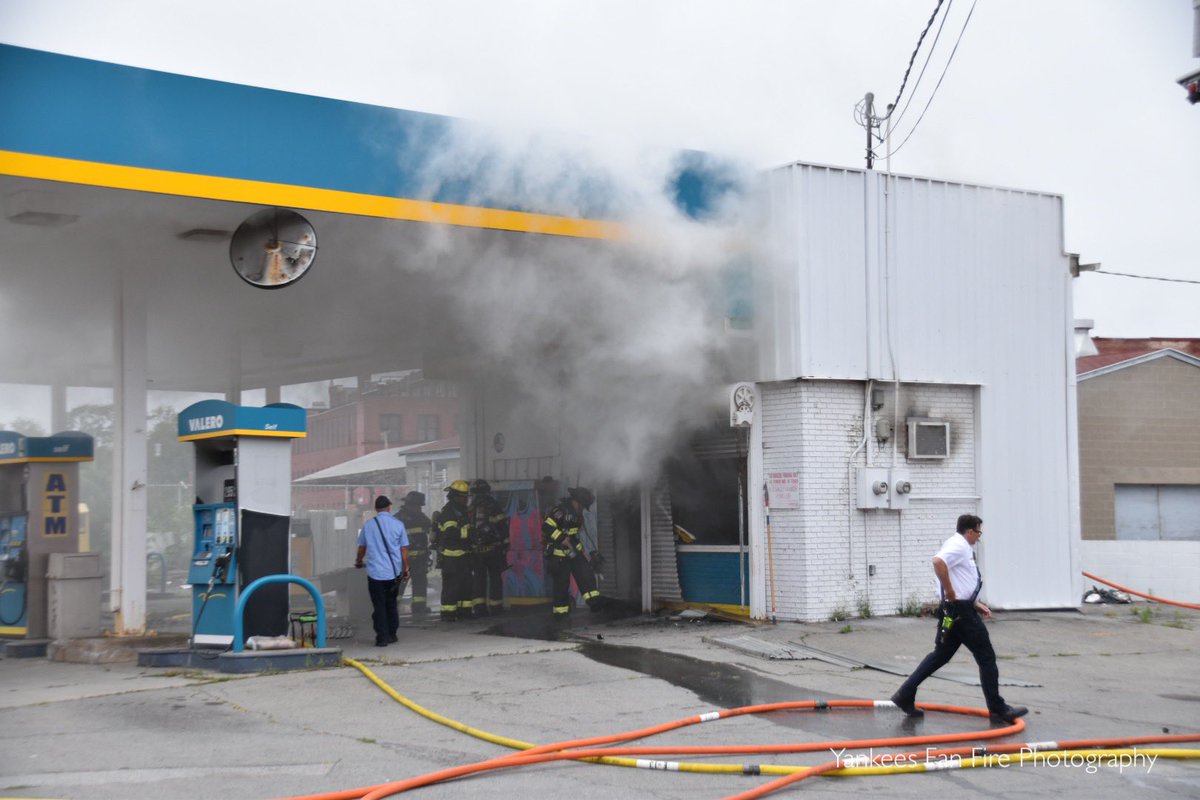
<point>39,515</point>
<point>242,515</point>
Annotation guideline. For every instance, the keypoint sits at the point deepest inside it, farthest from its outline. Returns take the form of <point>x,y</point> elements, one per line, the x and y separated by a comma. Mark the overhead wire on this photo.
<point>1143,277</point>
<point>912,59</point>
<point>928,57</point>
<point>933,94</point>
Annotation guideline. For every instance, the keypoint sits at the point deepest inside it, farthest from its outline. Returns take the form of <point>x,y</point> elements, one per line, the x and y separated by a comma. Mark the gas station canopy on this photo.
<point>113,173</point>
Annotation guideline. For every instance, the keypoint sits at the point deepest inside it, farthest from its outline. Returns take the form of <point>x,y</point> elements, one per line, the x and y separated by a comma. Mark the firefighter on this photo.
<point>489,534</point>
<point>565,555</point>
<point>418,526</point>
<point>452,541</point>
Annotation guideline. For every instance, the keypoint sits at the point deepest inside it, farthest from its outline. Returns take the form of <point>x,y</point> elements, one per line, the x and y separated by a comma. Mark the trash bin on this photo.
<point>74,588</point>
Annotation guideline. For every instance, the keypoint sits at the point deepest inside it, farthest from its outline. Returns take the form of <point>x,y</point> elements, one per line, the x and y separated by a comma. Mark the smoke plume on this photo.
<point>616,345</point>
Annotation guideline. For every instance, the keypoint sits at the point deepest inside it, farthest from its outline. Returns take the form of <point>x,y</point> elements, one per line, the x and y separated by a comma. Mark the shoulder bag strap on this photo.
<point>386,548</point>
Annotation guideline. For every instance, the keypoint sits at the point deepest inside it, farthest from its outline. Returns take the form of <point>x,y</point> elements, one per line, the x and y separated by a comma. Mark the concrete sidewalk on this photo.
<point>119,731</point>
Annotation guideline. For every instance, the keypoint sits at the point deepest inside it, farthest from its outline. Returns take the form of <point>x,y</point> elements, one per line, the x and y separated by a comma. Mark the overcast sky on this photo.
<point>1074,97</point>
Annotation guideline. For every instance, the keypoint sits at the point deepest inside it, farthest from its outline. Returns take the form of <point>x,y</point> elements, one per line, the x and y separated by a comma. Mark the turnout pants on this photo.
<point>968,630</point>
<point>562,569</point>
<point>385,616</point>
<point>418,569</point>
<point>489,581</point>
<point>456,586</point>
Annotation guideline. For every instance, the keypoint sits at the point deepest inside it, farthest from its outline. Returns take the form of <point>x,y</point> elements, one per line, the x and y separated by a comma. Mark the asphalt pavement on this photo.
<point>120,731</point>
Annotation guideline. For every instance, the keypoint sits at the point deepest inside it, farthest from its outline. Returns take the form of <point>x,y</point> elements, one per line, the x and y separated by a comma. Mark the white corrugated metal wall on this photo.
<point>943,283</point>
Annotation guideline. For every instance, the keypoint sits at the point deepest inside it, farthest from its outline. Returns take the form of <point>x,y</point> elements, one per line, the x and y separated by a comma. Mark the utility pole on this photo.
<point>870,116</point>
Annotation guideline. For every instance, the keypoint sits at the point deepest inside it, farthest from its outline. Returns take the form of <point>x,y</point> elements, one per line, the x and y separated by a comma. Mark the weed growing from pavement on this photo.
<point>846,629</point>
<point>1144,615</point>
<point>911,608</point>
<point>864,608</point>
<point>1177,621</point>
<point>839,614</point>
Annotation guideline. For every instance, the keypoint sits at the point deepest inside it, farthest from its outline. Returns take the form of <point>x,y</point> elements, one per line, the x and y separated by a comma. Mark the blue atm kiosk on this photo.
<point>242,515</point>
<point>39,515</point>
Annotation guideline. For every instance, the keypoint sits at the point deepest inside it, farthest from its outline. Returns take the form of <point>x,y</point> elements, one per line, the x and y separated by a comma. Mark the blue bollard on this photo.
<point>238,644</point>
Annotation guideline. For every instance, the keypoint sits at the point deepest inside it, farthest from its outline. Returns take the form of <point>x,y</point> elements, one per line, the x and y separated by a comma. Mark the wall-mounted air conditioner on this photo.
<point>928,438</point>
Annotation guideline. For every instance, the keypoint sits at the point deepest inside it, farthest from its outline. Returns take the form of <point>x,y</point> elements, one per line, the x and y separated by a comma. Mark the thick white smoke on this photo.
<point>616,345</point>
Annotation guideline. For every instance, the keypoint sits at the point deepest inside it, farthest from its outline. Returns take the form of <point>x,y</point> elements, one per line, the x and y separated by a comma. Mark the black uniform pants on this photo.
<point>385,617</point>
<point>489,579</point>
<point>561,569</point>
<point>968,630</point>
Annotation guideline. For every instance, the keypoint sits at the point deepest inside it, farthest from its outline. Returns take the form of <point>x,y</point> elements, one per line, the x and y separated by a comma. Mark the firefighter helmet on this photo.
<point>414,499</point>
<point>458,488</point>
<point>480,486</point>
<point>582,495</point>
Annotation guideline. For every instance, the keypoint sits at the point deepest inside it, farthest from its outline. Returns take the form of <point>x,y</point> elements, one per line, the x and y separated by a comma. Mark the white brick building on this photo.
<point>893,299</point>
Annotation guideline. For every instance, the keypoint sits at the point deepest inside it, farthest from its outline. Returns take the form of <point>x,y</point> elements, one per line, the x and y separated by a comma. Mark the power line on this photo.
<point>1143,277</point>
<point>928,57</point>
<point>939,83</point>
<point>913,58</point>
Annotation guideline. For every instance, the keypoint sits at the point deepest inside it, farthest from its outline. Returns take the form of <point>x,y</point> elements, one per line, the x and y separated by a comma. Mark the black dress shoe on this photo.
<point>1009,714</point>
<point>907,706</point>
<point>380,643</point>
<point>392,639</point>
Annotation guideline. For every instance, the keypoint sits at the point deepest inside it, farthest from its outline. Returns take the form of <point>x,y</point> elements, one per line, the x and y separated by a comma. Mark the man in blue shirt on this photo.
<point>383,542</point>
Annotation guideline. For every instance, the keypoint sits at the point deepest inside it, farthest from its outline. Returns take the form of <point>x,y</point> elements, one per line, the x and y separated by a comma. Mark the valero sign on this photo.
<point>210,419</point>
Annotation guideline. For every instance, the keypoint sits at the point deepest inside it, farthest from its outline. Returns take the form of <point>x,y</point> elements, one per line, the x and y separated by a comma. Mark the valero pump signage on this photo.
<point>210,419</point>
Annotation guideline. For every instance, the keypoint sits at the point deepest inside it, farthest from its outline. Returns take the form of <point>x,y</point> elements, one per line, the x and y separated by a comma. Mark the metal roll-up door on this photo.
<point>664,575</point>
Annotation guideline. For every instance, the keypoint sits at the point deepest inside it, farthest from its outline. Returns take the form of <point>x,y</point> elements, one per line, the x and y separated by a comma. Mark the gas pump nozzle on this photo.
<point>220,567</point>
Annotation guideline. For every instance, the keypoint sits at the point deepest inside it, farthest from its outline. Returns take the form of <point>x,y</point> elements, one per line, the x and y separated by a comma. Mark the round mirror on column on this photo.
<point>273,248</point>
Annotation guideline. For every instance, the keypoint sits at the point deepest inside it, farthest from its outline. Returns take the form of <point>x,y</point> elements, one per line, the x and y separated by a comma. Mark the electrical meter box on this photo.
<point>242,515</point>
<point>39,515</point>
<point>872,487</point>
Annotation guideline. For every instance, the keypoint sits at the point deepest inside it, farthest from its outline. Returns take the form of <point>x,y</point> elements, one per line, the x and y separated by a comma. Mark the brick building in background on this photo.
<point>1139,463</point>
<point>396,411</point>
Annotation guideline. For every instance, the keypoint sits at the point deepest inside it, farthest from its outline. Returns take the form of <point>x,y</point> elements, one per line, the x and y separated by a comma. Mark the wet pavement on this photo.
<point>118,731</point>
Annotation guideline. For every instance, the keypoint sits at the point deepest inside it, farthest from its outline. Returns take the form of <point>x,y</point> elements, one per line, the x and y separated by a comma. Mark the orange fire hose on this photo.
<point>1139,594</point>
<point>554,752</point>
<point>586,749</point>
<point>931,755</point>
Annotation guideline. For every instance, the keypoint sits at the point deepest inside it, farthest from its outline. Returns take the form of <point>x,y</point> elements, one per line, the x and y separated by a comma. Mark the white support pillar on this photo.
<point>58,408</point>
<point>647,549</point>
<point>755,499</point>
<point>233,370</point>
<point>128,597</point>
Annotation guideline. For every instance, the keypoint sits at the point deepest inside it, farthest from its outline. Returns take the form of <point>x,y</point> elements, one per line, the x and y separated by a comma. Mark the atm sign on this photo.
<point>54,504</point>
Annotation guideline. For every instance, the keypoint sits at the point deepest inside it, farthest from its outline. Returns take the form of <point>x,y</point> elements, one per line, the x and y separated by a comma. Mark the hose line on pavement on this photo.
<point>926,760</point>
<point>1140,594</point>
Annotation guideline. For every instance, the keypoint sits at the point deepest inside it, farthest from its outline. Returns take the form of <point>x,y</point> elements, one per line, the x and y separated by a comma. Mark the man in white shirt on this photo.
<point>960,623</point>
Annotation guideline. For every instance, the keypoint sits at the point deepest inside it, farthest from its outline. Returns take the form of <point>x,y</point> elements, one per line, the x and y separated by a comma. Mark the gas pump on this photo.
<point>14,566</point>
<point>39,501</point>
<point>242,515</point>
